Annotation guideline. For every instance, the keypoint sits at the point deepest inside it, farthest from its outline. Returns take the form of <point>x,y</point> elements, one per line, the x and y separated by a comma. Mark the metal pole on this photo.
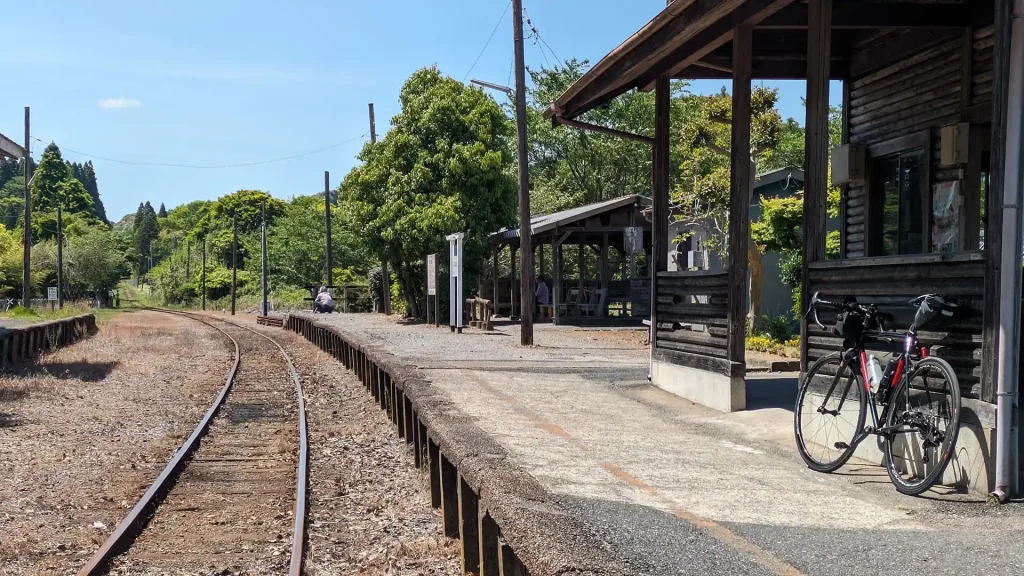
<point>1007,371</point>
<point>60,258</point>
<point>204,272</point>
<point>26,286</point>
<point>234,260</point>
<point>327,219</point>
<point>525,228</point>
<point>385,274</point>
<point>263,248</point>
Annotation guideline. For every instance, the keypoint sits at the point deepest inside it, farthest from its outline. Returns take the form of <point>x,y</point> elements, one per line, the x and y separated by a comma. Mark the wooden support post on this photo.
<point>489,536</point>
<point>513,285</point>
<point>739,199</point>
<point>410,431</point>
<point>423,440</point>
<point>495,268</point>
<point>581,262</point>
<point>508,563</point>
<point>400,412</point>
<point>816,148</point>
<point>660,217</point>
<point>434,462</point>
<point>556,277</point>
<point>469,535</point>
<point>417,448</point>
<point>449,498</point>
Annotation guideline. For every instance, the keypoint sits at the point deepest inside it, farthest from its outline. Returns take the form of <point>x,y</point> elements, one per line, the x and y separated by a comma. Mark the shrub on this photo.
<point>778,329</point>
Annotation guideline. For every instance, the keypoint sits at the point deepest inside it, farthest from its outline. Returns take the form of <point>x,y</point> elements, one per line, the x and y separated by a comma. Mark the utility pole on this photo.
<point>525,228</point>
<point>327,219</point>
<point>385,275</point>
<point>26,288</point>
<point>263,248</point>
<point>234,259</point>
<point>204,272</point>
<point>188,259</point>
<point>60,258</point>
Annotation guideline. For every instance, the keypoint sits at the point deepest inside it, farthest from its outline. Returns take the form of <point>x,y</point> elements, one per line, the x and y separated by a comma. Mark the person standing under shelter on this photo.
<point>541,295</point>
<point>323,303</point>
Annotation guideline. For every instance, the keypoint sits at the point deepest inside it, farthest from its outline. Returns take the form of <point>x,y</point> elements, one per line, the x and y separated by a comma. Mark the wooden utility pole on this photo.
<point>327,219</point>
<point>264,308</point>
<point>188,260</point>
<point>60,258</point>
<point>525,228</point>
<point>234,260</point>
<point>26,286</point>
<point>204,272</point>
<point>385,275</point>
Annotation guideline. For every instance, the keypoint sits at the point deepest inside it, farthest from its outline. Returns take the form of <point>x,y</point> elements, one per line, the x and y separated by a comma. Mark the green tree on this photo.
<point>162,213</point>
<point>146,230</point>
<point>91,185</point>
<point>48,177</point>
<point>445,166</point>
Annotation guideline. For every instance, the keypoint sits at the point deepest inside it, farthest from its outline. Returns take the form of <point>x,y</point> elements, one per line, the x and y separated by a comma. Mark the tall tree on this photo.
<point>49,175</point>
<point>146,230</point>
<point>445,166</point>
<point>89,181</point>
<point>162,212</point>
<point>571,167</point>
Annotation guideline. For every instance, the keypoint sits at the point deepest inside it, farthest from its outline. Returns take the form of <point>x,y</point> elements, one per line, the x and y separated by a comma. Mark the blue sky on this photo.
<point>225,82</point>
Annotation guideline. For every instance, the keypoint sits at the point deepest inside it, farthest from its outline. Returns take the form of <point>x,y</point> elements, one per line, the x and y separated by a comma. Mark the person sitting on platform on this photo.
<point>323,304</point>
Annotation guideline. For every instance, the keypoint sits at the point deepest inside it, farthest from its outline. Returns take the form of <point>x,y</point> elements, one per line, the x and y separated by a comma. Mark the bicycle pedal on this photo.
<point>842,446</point>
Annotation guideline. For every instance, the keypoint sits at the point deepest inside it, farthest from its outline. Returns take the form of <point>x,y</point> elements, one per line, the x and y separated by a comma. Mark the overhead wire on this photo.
<point>209,166</point>
<point>488,43</point>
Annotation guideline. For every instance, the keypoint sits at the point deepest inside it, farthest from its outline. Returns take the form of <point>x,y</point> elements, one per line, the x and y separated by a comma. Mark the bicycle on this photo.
<point>918,437</point>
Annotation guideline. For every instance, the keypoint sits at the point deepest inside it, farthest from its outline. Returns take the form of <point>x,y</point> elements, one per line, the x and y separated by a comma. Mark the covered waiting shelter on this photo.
<point>930,176</point>
<point>601,228</point>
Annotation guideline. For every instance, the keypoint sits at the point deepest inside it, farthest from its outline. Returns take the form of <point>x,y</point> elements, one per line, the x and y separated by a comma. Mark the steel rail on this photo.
<point>302,472</point>
<point>138,517</point>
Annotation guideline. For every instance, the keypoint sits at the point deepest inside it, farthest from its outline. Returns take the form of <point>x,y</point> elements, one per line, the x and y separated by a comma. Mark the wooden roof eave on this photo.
<point>679,35</point>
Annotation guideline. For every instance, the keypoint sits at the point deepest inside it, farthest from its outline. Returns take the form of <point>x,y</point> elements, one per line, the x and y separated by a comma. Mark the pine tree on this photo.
<point>49,175</point>
<point>162,213</point>
<point>89,181</point>
<point>146,230</point>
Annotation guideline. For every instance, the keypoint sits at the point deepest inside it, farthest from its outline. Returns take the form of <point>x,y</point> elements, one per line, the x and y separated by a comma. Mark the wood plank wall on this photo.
<point>889,283</point>
<point>915,93</point>
<point>981,65</point>
<point>688,298</point>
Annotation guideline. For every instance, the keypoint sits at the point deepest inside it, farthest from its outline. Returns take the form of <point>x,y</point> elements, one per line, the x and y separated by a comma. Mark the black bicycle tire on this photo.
<point>947,455</point>
<point>798,432</point>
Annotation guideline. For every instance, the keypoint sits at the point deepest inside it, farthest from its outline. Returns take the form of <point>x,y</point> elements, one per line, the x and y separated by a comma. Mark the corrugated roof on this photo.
<point>543,223</point>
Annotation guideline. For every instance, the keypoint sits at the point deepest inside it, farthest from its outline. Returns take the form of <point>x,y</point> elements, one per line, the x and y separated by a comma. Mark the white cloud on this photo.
<point>121,102</point>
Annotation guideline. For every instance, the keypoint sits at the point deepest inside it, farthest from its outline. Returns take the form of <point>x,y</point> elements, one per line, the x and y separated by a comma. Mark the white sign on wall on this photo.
<point>51,293</point>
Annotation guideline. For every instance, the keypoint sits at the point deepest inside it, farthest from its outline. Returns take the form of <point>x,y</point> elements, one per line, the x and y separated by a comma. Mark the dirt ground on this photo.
<point>369,508</point>
<point>85,430</point>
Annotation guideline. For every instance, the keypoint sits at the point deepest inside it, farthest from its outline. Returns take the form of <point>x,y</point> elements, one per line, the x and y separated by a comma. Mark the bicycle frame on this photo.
<point>904,367</point>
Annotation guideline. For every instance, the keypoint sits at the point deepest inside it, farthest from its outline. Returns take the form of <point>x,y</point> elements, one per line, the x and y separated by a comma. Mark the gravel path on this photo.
<point>369,508</point>
<point>85,430</point>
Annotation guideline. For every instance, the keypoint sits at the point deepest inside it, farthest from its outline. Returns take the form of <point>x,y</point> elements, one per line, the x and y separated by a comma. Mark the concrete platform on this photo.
<point>671,487</point>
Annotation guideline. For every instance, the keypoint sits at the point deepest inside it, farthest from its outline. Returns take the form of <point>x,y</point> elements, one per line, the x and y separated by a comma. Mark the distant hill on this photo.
<point>126,224</point>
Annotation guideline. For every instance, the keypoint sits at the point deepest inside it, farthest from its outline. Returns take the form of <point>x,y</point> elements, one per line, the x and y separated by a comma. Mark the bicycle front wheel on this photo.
<point>829,413</point>
<point>923,421</point>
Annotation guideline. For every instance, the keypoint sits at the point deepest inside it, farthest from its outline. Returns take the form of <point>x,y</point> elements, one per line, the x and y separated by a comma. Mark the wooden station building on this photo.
<point>931,116</point>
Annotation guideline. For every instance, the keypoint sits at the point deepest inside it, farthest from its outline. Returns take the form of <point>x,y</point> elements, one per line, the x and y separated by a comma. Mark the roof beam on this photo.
<point>879,15</point>
<point>603,130</point>
<point>615,78</point>
<point>712,38</point>
<point>10,149</point>
<point>764,70</point>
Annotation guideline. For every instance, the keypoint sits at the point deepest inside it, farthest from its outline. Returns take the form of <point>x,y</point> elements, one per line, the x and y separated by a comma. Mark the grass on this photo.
<point>35,316</point>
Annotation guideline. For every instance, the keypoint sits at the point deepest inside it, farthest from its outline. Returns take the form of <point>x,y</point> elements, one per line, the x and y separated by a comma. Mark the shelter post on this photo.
<point>816,148</point>
<point>739,198</point>
<point>659,222</point>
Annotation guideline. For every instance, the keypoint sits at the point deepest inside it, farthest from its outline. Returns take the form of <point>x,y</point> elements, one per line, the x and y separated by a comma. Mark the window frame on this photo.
<point>873,218</point>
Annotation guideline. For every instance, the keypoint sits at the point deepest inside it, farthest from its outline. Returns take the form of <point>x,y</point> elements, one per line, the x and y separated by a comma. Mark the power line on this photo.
<point>539,40</point>
<point>207,166</point>
<point>488,43</point>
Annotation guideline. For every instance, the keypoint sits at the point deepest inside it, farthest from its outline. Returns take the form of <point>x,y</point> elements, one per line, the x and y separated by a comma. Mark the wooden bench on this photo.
<point>480,312</point>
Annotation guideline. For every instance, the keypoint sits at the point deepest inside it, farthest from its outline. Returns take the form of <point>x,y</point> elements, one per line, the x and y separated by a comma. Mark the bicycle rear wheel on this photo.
<point>829,413</point>
<point>924,413</point>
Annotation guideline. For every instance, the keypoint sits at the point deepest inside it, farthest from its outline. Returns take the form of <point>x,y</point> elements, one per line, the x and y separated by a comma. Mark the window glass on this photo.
<point>898,180</point>
<point>886,171</point>
<point>911,207</point>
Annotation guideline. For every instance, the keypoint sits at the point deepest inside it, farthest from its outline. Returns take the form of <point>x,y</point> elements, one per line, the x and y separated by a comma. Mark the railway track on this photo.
<point>232,499</point>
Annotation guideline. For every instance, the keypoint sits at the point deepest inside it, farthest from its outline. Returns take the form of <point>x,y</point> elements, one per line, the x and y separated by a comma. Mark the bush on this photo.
<point>778,329</point>
<point>763,344</point>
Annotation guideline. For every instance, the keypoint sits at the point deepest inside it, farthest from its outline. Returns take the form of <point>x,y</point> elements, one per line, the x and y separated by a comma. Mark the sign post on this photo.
<point>51,295</point>
<point>455,281</point>
<point>432,287</point>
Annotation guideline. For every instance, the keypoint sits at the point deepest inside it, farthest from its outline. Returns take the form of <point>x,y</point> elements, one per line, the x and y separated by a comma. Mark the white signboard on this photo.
<point>454,261</point>
<point>51,293</point>
<point>634,239</point>
<point>432,274</point>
